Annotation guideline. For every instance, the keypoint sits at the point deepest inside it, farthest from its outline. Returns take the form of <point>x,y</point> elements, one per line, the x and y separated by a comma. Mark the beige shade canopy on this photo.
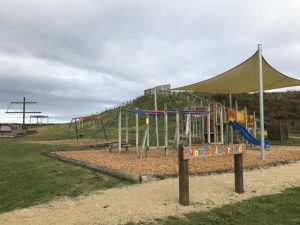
<point>244,78</point>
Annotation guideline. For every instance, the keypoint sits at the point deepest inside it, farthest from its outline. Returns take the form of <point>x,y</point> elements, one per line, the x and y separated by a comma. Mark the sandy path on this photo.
<point>154,200</point>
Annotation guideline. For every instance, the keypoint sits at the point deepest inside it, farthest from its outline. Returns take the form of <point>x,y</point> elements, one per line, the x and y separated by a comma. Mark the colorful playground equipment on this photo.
<point>204,125</point>
<point>78,124</point>
<point>245,133</point>
<point>152,113</point>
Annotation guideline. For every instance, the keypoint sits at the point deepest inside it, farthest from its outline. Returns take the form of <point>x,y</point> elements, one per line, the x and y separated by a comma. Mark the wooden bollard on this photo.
<point>183,165</point>
<point>238,173</point>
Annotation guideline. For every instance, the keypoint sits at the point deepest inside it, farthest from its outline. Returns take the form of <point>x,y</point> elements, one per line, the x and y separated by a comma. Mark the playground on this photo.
<point>221,142</point>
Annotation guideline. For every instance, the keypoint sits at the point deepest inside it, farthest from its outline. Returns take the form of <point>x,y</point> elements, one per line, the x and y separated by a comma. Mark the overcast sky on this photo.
<point>79,57</point>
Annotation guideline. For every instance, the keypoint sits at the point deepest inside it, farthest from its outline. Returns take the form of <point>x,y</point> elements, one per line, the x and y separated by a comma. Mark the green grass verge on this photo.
<point>283,208</point>
<point>28,178</point>
<point>290,141</point>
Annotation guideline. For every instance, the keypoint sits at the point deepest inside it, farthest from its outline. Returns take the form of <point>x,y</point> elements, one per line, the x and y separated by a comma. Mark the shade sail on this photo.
<point>244,78</point>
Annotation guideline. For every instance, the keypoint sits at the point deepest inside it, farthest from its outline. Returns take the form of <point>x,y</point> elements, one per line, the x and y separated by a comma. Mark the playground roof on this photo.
<point>244,78</point>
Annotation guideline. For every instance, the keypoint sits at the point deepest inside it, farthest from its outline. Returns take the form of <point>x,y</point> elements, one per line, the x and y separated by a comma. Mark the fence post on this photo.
<point>238,173</point>
<point>183,165</point>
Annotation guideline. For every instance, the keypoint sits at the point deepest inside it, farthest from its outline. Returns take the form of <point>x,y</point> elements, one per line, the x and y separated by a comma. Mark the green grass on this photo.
<point>290,141</point>
<point>28,178</point>
<point>277,209</point>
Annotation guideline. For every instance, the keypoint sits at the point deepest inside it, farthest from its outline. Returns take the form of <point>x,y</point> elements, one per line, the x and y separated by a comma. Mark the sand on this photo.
<point>159,199</point>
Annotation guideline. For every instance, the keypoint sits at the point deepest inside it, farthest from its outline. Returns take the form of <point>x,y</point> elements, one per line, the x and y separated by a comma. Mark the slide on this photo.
<point>243,131</point>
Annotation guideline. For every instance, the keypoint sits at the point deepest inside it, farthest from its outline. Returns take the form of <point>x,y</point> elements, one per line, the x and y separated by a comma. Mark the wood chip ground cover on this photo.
<point>158,164</point>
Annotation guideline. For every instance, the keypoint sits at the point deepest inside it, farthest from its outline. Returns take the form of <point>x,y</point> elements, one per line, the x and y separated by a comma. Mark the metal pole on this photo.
<point>261,103</point>
<point>202,129</point>
<point>24,103</point>
<point>156,119</point>
<point>97,131</point>
<point>166,130</point>
<point>104,131</point>
<point>126,124</point>
<point>246,117</point>
<point>148,134</point>
<point>76,129</point>
<point>208,125</point>
<point>215,122</point>
<point>137,132</point>
<point>231,129</point>
<point>119,129</point>
<point>190,129</point>
<point>254,121</point>
<point>222,125</point>
<point>236,110</point>
<point>177,129</point>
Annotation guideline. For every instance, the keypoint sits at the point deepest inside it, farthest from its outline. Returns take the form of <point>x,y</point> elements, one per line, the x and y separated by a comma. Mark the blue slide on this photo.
<point>243,131</point>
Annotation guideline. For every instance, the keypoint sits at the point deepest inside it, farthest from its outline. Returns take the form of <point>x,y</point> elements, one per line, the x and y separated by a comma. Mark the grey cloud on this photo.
<point>82,56</point>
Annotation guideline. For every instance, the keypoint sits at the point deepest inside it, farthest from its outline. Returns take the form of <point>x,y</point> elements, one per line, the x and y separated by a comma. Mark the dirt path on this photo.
<point>154,200</point>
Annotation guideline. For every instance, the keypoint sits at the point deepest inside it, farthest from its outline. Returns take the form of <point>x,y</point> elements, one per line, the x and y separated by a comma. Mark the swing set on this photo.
<point>78,124</point>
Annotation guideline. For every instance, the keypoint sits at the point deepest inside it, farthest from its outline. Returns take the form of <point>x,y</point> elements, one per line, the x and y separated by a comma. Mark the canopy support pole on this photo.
<point>261,103</point>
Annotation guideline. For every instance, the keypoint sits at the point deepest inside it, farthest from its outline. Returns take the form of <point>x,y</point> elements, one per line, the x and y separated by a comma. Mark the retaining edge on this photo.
<point>136,178</point>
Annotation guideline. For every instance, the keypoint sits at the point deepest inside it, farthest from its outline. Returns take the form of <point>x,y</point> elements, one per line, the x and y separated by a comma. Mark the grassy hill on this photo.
<point>279,106</point>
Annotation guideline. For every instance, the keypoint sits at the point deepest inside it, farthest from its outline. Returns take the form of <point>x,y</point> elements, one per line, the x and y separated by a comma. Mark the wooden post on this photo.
<point>183,165</point>
<point>238,173</point>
